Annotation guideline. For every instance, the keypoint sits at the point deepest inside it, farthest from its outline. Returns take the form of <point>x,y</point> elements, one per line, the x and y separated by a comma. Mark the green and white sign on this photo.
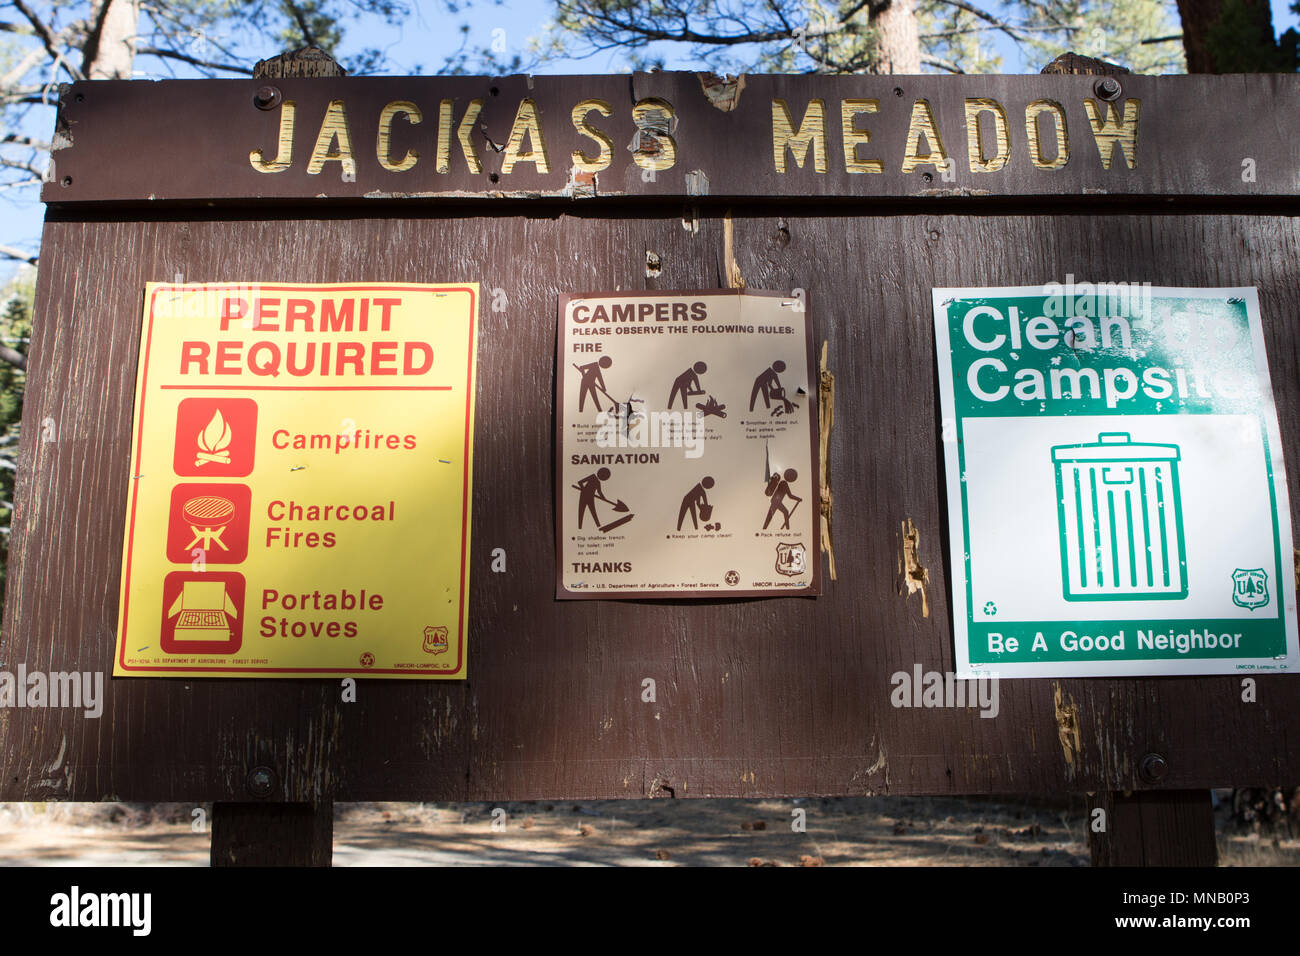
<point>1116,494</point>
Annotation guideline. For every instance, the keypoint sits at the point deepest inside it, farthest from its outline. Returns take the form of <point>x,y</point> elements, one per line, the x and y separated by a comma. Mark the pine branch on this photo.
<point>1010,30</point>
<point>192,60</point>
<point>15,358</point>
<point>9,252</point>
<point>301,19</point>
<point>16,140</point>
<point>48,38</point>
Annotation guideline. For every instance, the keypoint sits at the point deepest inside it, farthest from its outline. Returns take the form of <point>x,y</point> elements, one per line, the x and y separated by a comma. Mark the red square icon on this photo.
<point>203,612</point>
<point>215,437</point>
<point>208,521</point>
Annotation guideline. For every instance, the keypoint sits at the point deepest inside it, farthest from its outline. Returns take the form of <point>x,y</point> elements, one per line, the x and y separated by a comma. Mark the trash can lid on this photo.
<point>1115,446</point>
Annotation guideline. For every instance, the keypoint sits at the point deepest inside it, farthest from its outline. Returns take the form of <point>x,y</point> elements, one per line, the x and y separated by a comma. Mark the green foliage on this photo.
<point>842,36</point>
<point>1111,30</point>
<point>1241,41</point>
<point>955,39</point>
<point>15,330</point>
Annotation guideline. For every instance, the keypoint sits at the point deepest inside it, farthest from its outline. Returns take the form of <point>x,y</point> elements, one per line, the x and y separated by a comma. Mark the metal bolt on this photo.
<point>266,98</point>
<point>261,781</point>
<point>1107,88</point>
<point>1154,768</point>
<point>928,177</point>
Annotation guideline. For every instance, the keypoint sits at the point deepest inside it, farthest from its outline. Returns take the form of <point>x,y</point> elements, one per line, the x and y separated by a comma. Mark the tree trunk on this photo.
<point>1229,36</point>
<point>110,47</point>
<point>899,39</point>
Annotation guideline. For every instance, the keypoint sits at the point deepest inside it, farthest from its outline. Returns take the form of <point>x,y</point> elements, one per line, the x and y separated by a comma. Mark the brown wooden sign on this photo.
<point>723,186</point>
<point>674,134</point>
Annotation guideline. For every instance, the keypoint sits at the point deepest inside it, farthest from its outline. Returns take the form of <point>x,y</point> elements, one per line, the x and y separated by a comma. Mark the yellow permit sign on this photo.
<point>301,465</point>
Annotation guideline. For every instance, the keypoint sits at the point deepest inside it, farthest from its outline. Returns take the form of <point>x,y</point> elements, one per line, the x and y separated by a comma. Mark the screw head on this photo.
<point>260,781</point>
<point>1153,768</point>
<point>267,98</point>
<point>1107,88</point>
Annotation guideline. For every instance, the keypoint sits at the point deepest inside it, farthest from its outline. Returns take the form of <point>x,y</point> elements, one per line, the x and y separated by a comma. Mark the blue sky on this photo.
<point>424,41</point>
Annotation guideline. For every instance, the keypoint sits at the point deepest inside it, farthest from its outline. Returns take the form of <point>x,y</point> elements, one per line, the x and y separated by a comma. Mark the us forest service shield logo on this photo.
<point>435,640</point>
<point>791,559</point>
<point>1250,588</point>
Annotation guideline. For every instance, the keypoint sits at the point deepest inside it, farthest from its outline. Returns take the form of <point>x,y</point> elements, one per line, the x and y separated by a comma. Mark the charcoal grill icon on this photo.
<point>207,516</point>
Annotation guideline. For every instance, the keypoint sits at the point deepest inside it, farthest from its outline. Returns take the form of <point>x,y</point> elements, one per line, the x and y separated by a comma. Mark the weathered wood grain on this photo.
<point>189,141</point>
<point>272,834</point>
<point>1170,828</point>
<point>754,698</point>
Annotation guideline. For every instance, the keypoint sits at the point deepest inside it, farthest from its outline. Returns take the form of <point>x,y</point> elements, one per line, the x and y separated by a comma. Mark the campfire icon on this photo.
<point>215,437</point>
<point>214,442</point>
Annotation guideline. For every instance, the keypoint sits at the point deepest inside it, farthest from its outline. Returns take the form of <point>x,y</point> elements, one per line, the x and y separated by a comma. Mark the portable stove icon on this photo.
<point>202,613</point>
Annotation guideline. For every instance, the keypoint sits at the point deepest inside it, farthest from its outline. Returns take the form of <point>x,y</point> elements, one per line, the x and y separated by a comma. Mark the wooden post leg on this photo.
<point>273,834</point>
<point>1154,828</point>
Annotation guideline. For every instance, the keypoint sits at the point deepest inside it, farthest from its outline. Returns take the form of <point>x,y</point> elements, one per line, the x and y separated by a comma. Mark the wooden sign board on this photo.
<point>755,698</point>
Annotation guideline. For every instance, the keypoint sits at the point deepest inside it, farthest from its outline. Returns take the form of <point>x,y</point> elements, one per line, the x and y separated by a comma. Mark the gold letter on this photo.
<point>655,146</point>
<point>333,127</point>
<point>812,130</point>
<point>581,161</point>
<point>462,134</point>
<point>853,136</point>
<point>526,124</point>
<point>284,152</point>
<point>413,116</point>
<point>1110,129</point>
<point>979,163</point>
<point>923,125</point>
<point>1062,134</point>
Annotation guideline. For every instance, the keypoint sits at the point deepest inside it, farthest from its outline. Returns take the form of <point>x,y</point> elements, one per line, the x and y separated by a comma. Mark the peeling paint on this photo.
<point>58,761</point>
<point>697,184</point>
<point>1067,724</point>
<point>722,91</point>
<point>653,140</point>
<point>734,278</point>
<point>954,191</point>
<point>915,575</point>
<point>581,185</point>
<point>882,760</point>
<point>564,193</point>
<point>691,223</point>
<point>826,421</point>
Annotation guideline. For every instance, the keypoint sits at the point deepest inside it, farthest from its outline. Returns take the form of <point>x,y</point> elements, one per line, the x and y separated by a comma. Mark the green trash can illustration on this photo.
<point>1120,517</point>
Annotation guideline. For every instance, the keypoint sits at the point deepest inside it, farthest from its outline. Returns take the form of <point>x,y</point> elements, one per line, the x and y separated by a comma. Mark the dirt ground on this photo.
<point>869,831</point>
